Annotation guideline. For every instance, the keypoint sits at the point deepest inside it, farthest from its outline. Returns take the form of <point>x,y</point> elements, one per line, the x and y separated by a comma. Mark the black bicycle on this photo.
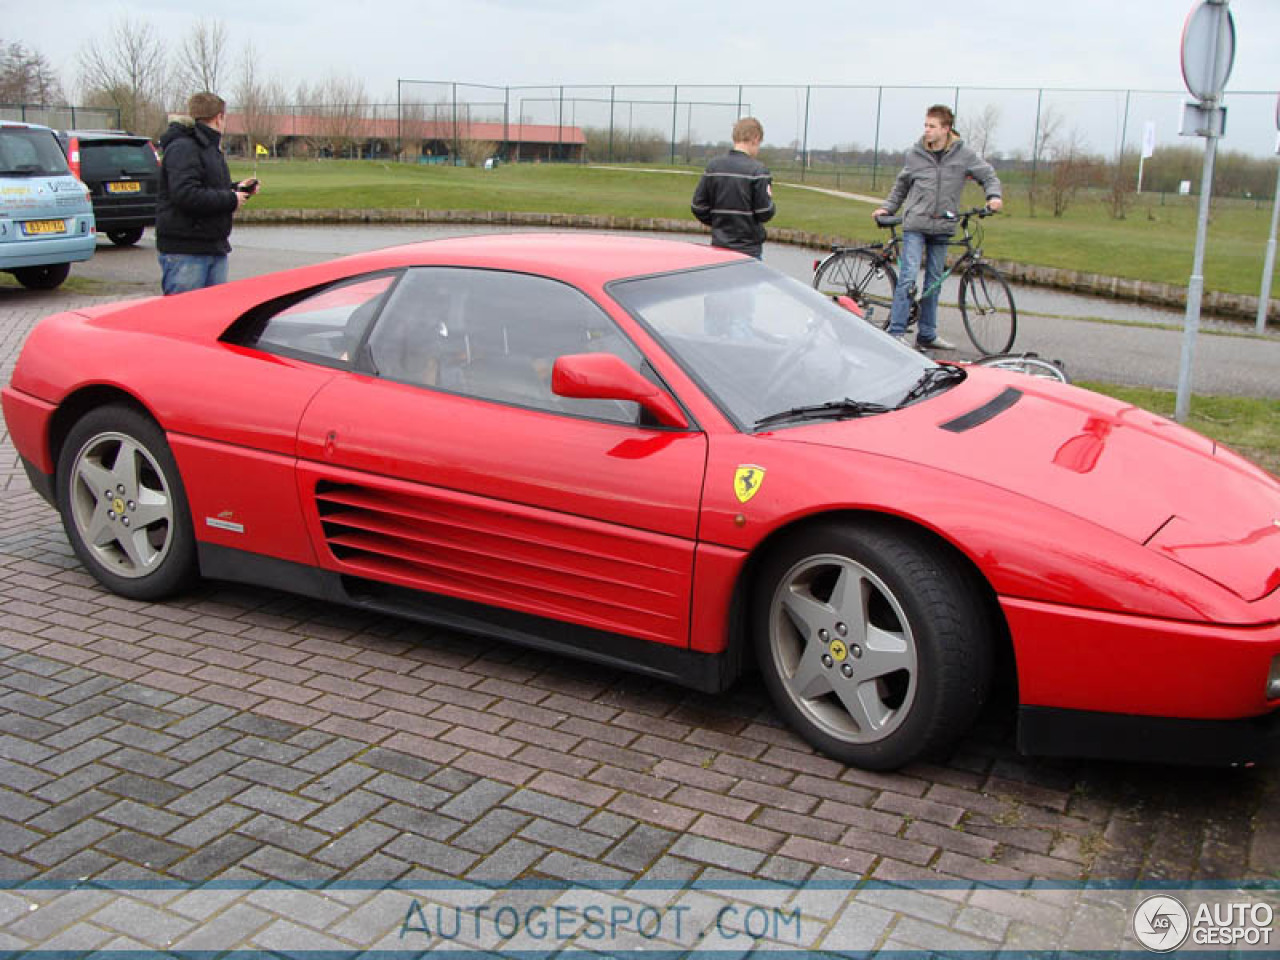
<point>867,275</point>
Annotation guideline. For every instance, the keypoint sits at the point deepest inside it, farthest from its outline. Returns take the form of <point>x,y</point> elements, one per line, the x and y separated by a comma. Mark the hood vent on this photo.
<point>988,411</point>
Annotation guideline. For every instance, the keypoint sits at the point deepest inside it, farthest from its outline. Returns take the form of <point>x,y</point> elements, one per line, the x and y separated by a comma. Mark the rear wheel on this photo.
<point>44,277</point>
<point>986,304</point>
<point>866,279</point>
<point>123,506</point>
<point>125,238</point>
<point>872,642</point>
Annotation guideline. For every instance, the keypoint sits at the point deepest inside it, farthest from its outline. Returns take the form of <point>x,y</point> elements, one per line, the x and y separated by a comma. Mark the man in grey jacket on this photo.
<point>928,192</point>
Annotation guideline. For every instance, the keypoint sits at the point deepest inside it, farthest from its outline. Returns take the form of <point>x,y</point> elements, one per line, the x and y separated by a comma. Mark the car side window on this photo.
<point>329,325</point>
<point>495,335</point>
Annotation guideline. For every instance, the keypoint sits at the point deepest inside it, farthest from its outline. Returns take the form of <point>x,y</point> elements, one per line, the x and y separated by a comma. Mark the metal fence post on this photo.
<point>1035,150</point>
<point>875,149</point>
<point>612,94</point>
<point>675,105</point>
<point>804,154</point>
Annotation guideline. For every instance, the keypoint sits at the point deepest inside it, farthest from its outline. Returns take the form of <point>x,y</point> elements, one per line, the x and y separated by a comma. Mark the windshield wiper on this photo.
<point>831,410</point>
<point>935,378</point>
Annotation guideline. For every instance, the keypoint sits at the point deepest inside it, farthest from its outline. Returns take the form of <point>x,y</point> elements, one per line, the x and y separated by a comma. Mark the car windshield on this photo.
<point>30,152</point>
<point>770,350</point>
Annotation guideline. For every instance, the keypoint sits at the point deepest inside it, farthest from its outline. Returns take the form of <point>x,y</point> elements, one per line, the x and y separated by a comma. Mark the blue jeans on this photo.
<point>180,272</point>
<point>932,248</point>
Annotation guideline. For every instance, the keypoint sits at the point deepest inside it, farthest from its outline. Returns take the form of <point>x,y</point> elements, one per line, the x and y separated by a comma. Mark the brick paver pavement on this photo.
<point>243,735</point>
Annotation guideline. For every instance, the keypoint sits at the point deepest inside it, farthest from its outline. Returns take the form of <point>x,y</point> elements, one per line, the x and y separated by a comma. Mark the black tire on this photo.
<point>123,505</point>
<point>986,304</point>
<point>125,238</point>
<point>866,279</point>
<point>873,616</point>
<point>44,277</point>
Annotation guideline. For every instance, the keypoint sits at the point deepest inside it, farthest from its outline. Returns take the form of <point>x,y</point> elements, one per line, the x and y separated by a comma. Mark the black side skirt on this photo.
<point>709,673</point>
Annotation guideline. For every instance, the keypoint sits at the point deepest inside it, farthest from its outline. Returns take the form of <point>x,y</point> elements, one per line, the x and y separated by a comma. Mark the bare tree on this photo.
<point>252,95</point>
<point>1122,184</point>
<point>980,129</point>
<point>126,68</point>
<point>201,59</point>
<point>1042,147</point>
<point>27,77</point>
<point>341,104</point>
<point>1072,169</point>
<point>475,152</point>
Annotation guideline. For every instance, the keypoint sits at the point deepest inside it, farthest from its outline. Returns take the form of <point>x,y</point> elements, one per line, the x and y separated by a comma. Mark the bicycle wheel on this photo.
<point>986,304</point>
<point>1029,364</point>
<point>863,277</point>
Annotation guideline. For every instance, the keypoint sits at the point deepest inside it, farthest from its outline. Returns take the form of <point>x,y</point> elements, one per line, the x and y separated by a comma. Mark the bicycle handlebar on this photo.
<point>886,221</point>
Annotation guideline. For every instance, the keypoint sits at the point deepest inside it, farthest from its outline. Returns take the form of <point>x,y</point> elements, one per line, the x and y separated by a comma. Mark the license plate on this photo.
<point>40,227</point>
<point>124,186</point>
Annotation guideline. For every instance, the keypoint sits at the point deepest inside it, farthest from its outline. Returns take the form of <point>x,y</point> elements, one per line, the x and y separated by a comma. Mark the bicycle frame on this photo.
<point>972,254</point>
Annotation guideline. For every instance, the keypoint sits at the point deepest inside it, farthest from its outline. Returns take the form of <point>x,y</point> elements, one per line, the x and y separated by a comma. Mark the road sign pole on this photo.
<point>1208,49</point>
<point>1195,287</point>
<point>1264,295</point>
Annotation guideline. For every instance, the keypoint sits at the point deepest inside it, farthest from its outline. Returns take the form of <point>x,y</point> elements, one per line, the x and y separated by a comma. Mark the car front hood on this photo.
<point>1111,464</point>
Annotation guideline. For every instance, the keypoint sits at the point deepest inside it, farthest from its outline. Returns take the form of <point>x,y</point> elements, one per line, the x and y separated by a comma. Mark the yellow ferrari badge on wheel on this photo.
<point>746,481</point>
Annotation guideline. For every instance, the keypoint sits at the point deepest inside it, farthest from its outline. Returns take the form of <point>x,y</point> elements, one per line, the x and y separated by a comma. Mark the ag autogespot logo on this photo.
<point>1161,923</point>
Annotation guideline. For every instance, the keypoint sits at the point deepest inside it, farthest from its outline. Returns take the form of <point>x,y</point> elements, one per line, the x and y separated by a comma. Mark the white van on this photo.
<point>46,219</point>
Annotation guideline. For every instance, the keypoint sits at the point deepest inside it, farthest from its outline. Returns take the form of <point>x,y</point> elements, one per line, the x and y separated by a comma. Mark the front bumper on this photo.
<point>1054,732</point>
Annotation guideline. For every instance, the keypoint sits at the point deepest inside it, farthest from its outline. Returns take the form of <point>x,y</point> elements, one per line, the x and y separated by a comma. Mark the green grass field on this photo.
<point>1154,242</point>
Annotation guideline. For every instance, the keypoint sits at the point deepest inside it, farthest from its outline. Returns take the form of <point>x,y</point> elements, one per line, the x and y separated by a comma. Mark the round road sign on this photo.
<point>1208,49</point>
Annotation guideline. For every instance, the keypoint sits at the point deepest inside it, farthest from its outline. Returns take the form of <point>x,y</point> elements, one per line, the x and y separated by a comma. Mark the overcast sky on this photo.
<point>1033,43</point>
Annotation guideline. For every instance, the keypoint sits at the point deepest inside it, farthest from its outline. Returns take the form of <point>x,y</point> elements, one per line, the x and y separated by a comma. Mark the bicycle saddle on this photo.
<point>887,221</point>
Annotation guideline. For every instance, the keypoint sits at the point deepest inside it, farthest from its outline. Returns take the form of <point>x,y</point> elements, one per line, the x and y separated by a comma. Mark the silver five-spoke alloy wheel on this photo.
<point>844,648</point>
<point>121,504</point>
<point>874,639</point>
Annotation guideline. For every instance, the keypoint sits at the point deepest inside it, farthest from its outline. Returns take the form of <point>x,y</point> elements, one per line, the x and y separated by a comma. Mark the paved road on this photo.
<point>250,737</point>
<point>1132,344</point>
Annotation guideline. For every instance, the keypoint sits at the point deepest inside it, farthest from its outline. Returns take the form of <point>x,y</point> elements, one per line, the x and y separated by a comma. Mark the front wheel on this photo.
<point>863,277</point>
<point>125,238</point>
<point>123,506</point>
<point>986,304</point>
<point>872,643</point>
<point>44,277</point>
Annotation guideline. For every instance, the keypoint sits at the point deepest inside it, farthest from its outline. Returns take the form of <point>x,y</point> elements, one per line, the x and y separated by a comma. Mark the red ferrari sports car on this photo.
<point>669,457</point>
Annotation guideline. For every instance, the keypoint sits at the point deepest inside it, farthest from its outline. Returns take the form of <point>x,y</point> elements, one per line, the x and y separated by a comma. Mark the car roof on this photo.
<point>23,125</point>
<point>577,257</point>
<point>103,135</point>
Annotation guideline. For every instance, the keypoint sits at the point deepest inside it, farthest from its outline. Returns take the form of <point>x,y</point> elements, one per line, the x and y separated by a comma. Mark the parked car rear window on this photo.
<point>26,152</point>
<point>101,159</point>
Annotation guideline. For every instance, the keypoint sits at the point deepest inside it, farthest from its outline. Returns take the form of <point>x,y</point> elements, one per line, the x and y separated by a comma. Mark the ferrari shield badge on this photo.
<point>746,481</point>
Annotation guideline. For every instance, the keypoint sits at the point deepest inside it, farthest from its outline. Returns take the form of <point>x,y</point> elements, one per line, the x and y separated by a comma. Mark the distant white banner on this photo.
<point>1148,139</point>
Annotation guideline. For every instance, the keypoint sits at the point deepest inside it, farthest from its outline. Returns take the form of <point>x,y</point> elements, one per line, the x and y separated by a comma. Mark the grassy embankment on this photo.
<point>1153,242</point>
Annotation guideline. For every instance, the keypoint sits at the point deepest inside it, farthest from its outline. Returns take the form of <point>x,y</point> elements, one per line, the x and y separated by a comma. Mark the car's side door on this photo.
<point>445,464</point>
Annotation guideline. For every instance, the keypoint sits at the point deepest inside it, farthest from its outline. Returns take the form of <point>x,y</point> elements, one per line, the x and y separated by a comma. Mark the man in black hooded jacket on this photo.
<point>196,198</point>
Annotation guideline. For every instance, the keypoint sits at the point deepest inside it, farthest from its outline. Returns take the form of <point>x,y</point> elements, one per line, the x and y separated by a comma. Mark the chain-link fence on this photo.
<point>855,135</point>
<point>63,117</point>
<point>850,137</point>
